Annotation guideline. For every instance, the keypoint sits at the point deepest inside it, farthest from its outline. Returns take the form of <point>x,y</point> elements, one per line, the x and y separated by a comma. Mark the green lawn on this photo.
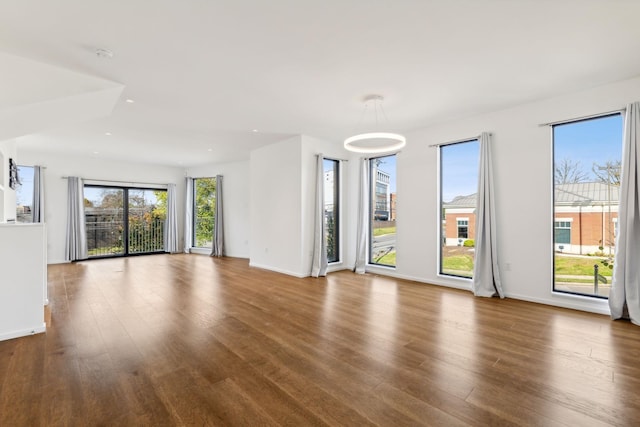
<point>388,259</point>
<point>573,266</point>
<point>384,230</point>
<point>580,266</point>
<point>458,264</point>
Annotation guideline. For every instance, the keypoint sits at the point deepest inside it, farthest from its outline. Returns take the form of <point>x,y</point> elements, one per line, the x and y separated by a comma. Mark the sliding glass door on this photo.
<point>124,221</point>
<point>146,215</point>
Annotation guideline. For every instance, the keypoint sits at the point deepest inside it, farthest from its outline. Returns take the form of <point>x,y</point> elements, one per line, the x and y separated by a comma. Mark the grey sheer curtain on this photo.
<point>171,221</point>
<point>38,195</point>
<point>188,216</point>
<point>624,298</point>
<point>319,264</point>
<point>363,217</point>
<point>486,277</point>
<point>76,247</point>
<point>217,248</point>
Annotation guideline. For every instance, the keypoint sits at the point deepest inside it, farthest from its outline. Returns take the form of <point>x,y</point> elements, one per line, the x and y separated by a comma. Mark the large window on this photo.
<point>24,195</point>
<point>382,239</point>
<point>458,195</point>
<point>124,221</point>
<point>331,169</point>
<point>204,203</point>
<point>586,164</point>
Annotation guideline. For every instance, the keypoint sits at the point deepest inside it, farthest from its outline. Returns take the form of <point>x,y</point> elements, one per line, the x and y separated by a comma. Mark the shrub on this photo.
<point>469,243</point>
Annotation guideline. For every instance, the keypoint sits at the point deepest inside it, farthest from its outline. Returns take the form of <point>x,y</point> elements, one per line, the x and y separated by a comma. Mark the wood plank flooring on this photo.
<point>193,340</point>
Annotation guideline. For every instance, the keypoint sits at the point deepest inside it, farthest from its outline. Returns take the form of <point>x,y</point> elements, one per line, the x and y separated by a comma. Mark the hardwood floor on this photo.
<point>193,340</point>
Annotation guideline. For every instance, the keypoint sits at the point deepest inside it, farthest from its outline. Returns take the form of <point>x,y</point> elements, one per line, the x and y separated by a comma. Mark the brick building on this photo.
<point>585,218</point>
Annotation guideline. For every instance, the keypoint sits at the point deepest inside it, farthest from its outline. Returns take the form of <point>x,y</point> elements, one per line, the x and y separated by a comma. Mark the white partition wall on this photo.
<point>22,279</point>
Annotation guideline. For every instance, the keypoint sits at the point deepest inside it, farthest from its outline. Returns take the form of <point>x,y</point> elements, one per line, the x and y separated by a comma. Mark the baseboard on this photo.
<point>23,332</point>
<point>462,285</point>
<point>572,302</point>
<point>279,270</point>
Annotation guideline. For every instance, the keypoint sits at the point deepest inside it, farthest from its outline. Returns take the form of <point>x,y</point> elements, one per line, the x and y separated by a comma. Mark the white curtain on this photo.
<point>217,248</point>
<point>486,277</point>
<point>363,217</point>
<point>320,263</point>
<point>38,195</point>
<point>76,247</point>
<point>624,298</point>
<point>188,216</point>
<point>171,221</point>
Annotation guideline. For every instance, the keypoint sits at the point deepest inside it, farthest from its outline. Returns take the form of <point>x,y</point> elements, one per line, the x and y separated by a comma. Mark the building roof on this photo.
<point>462,201</point>
<point>587,193</point>
<point>579,193</point>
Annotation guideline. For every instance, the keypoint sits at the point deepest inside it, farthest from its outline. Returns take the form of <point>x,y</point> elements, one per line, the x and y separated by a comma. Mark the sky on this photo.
<point>24,193</point>
<point>459,169</point>
<point>388,165</point>
<point>589,141</point>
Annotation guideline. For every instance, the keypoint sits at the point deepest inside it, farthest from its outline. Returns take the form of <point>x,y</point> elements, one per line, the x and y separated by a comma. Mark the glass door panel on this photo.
<point>104,216</point>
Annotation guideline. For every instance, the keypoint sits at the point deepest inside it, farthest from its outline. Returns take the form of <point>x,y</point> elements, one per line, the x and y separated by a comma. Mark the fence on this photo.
<point>105,235</point>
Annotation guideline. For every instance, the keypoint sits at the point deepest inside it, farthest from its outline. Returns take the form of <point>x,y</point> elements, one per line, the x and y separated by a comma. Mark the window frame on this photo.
<point>442,235</point>
<point>20,217</point>
<point>194,238</point>
<point>554,214</point>
<point>373,203</point>
<point>337,208</point>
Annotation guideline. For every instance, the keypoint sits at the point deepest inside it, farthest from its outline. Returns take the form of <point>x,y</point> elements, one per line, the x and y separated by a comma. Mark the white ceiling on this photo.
<point>205,73</point>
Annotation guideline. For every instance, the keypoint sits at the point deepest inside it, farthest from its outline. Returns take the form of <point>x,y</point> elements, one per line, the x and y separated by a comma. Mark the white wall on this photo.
<point>523,177</point>
<point>7,195</point>
<point>275,207</point>
<point>282,203</point>
<point>88,167</point>
<point>23,284</point>
<point>310,148</point>
<point>236,203</point>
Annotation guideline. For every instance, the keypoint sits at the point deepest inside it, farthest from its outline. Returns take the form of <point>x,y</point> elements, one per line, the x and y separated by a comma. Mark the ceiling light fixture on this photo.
<point>108,133</point>
<point>104,53</point>
<point>375,142</point>
<point>129,101</point>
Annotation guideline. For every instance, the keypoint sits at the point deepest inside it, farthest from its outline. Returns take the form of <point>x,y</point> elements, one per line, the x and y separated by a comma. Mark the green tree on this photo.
<point>205,200</point>
<point>160,209</point>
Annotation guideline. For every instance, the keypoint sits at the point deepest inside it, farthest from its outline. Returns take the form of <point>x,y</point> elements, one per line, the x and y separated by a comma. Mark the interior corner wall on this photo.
<point>236,203</point>
<point>274,207</point>
<point>7,194</point>
<point>523,174</point>
<point>89,167</point>
<point>310,148</point>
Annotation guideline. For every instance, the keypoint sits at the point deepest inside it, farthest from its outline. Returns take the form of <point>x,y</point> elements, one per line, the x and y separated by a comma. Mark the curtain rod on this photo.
<point>116,181</point>
<point>577,119</point>
<point>457,141</point>
<point>332,158</point>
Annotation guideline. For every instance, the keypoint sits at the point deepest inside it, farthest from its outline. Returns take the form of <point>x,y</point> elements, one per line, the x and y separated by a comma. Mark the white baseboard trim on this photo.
<point>278,270</point>
<point>23,332</point>
<point>462,285</point>
<point>572,302</point>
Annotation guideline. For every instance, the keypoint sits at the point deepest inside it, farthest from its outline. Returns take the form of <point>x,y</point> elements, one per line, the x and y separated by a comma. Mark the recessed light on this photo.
<point>104,53</point>
<point>108,133</point>
<point>129,101</point>
<point>255,131</point>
